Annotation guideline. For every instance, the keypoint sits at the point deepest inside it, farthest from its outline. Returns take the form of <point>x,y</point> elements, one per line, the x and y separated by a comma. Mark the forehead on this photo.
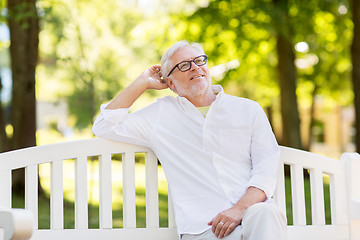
<point>185,53</point>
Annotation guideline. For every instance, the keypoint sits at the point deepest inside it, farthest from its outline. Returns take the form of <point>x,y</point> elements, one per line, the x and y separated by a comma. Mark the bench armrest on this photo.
<point>352,163</point>
<point>355,209</point>
<point>17,224</point>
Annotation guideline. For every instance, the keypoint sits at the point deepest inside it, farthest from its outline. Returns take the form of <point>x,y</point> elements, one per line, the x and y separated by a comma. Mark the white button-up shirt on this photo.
<point>209,162</point>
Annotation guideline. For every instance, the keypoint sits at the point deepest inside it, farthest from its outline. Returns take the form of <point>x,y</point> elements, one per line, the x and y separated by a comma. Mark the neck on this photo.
<point>203,100</point>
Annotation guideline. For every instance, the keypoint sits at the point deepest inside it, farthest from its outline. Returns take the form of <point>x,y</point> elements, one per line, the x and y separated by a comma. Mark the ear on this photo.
<point>170,83</point>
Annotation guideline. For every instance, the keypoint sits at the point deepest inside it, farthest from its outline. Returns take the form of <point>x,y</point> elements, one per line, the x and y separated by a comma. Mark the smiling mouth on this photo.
<point>197,76</point>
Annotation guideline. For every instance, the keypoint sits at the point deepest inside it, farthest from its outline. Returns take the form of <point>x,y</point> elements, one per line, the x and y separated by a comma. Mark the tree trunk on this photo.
<point>287,80</point>
<point>269,111</point>
<point>312,118</point>
<point>24,32</point>
<point>355,54</point>
<point>4,140</point>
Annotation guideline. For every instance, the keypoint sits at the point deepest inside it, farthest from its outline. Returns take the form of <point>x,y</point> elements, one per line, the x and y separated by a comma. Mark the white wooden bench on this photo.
<point>21,224</point>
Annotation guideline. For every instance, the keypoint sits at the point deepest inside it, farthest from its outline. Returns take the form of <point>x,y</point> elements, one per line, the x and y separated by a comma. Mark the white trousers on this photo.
<point>262,221</point>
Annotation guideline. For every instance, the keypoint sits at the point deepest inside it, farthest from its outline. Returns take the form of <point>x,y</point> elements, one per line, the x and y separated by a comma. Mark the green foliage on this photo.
<point>3,11</point>
<point>94,56</point>
<point>238,32</point>
<point>95,48</point>
<point>327,62</point>
<point>245,31</point>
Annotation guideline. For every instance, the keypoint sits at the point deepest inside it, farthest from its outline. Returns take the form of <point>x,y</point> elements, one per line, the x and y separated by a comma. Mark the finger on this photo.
<point>224,229</point>
<point>156,68</point>
<point>230,229</point>
<point>158,85</point>
<point>218,228</point>
<point>214,224</point>
<point>211,221</point>
<point>157,72</point>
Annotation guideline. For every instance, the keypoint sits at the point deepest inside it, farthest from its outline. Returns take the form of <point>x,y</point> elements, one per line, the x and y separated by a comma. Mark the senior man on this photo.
<point>218,151</point>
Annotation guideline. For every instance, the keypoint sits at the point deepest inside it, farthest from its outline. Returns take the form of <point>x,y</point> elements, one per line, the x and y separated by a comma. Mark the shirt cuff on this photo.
<point>266,184</point>
<point>113,115</point>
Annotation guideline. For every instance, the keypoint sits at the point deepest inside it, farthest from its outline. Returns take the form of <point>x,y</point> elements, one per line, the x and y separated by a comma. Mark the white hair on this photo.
<point>166,63</point>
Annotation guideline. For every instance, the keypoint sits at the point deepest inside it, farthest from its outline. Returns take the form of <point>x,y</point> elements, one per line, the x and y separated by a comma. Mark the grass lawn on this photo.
<point>93,197</point>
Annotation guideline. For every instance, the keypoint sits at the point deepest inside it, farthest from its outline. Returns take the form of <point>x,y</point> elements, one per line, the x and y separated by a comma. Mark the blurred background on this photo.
<point>61,59</point>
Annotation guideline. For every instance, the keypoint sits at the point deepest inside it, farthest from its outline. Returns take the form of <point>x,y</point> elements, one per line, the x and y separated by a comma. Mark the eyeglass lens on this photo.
<point>186,65</point>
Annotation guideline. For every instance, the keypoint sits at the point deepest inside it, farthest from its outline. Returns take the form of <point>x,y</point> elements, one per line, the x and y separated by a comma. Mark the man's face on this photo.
<point>194,82</point>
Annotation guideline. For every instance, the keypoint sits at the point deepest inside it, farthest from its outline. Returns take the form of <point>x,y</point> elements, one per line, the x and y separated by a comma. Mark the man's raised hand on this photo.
<point>152,78</point>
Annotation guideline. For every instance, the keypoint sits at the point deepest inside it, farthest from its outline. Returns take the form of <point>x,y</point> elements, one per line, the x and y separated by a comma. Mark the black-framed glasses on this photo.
<point>186,65</point>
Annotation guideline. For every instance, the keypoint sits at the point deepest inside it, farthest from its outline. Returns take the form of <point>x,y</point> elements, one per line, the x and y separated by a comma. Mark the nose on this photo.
<point>194,66</point>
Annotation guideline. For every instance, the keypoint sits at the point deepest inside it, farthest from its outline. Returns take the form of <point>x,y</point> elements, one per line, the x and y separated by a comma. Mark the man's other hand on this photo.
<point>226,221</point>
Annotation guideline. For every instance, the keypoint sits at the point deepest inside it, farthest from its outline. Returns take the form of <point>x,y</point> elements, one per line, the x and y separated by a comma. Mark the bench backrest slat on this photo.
<point>279,195</point>
<point>5,188</point>
<point>56,195</point>
<point>105,194</point>
<point>338,197</point>
<point>171,220</point>
<point>31,191</point>
<point>152,196</point>
<point>352,165</point>
<point>81,193</point>
<point>129,203</point>
<point>317,197</point>
<point>298,196</point>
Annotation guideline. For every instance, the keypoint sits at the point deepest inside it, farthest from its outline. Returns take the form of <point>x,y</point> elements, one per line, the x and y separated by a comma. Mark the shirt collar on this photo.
<point>190,110</point>
<point>219,91</point>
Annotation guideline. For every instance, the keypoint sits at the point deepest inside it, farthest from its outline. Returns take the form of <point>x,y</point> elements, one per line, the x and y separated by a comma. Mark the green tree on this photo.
<point>92,58</point>
<point>261,36</point>
<point>23,23</point>
<point>106,52</point>
<point>291,135</point>
<point>324,65</point>
<point>4,139</point>
<point>249,32</point>
<point>24,31</point>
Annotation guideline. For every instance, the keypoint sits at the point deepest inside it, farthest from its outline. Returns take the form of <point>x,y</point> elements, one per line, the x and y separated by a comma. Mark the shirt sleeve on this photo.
<point>265,154</point>
<point>120,125</point>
